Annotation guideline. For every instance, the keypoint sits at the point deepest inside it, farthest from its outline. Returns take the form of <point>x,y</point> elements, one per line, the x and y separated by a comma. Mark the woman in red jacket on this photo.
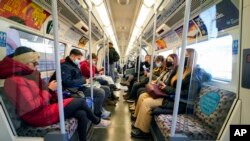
<point>34,101</point>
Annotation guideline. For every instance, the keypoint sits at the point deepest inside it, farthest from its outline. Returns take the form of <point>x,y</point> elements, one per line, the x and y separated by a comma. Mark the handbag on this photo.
<point>74,92</point>
<point>154,91</point>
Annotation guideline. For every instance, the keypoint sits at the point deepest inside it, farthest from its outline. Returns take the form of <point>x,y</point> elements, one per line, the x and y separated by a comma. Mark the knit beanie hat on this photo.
<point>25,55</point>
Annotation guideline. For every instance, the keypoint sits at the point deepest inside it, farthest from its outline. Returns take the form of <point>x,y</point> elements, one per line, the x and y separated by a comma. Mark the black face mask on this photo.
<point>186,61</point>
<point>169,64</point>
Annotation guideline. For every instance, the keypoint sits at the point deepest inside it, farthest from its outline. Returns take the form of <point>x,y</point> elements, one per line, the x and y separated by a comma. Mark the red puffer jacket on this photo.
<point>25,89</point>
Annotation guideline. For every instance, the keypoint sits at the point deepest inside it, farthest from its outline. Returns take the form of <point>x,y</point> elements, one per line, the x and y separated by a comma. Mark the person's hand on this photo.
<point>145,73</point>
<point>153,82</point>
<point>162,85</point>
<point>101,69</point>
<point>52,85</point>
<point>87,81</point>
<point>101,72</point>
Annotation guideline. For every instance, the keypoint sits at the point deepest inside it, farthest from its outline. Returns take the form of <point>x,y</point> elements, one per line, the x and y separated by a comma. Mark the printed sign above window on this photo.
<point>24,12</point>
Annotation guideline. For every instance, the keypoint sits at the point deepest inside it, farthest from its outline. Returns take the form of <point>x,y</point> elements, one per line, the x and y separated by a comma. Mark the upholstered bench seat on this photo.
<point>210,111</point>
<point>70,127</point>
<point>188,125</point>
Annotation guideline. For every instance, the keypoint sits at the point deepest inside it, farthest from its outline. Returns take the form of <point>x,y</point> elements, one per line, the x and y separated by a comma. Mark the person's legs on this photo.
<point>107,91</point>
<point>99,95</point>
<point>111,71</point>
<point>79,110</point>
<point>80,104</point>
<point>139,102</point>
<point>139,92</point>
<point>144,117</point>
<point>133,93</point>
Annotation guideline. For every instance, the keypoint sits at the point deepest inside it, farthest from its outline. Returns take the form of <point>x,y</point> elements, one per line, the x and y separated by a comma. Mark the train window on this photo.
<point>44,46</point>
<point>166,53</point>
<point>215,56</point>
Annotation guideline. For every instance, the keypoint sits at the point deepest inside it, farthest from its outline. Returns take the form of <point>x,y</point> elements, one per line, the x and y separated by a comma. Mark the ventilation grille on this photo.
<point>78,9</point>
<point>62,9</point>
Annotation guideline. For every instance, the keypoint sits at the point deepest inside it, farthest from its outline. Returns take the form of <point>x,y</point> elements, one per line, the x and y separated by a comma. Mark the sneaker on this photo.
<point>111,102</point>
<point>105,114</point>
<point>130,101</point>
<point>137,133</point>
<point>103,124</point>
<point>125,83</point>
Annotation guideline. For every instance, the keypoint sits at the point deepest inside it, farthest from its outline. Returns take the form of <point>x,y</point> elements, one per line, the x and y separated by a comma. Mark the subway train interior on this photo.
<point>174,70</point>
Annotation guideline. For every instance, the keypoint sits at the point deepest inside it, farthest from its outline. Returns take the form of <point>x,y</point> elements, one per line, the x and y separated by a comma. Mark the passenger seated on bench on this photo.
<point>133,77</point>
<point>160,67</point>
<point>146,103</point>
<point>72,79</point>
<point>35,102</point>
<point>85,70</point>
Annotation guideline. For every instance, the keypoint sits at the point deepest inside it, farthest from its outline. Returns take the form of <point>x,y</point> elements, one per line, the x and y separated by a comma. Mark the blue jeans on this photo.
<point>99,96</point>
<point>112,71</point>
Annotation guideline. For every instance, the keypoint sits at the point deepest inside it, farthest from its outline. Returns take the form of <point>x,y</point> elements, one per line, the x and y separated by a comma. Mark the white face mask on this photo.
<point>94,62</point>
<point>158,64</point>
<point>77,62</point>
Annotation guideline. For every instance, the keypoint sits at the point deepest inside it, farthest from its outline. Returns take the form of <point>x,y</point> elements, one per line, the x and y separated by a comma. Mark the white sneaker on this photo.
<point>105,114</point>
<point>105,111</point>
<point>103,124</point>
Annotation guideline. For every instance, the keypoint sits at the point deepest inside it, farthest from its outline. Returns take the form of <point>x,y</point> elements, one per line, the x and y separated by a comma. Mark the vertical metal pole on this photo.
<point>104,48</point>
<point>58,66</point>
<point>90,55</point>
<point>181,66</point>
<point>153,45</point>
<point>139,65</point>
<point>108,61</point>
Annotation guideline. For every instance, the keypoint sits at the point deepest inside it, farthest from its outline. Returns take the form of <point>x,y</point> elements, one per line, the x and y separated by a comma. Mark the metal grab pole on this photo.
<point>90,55</point>
<point>104,53</point>
<point>181,66</point>
<point>58,66</point>
<point>139,65</point>
<point>153,46</point>
<point>108,61</point>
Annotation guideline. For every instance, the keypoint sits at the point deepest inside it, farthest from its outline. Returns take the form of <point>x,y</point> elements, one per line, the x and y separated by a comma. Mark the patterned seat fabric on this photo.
<point>211,109</point>
<point>186,124</point>
<point>23,130</point>
<point>70,127</point>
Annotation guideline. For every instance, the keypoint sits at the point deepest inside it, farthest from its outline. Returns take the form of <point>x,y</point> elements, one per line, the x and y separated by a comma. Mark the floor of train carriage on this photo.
<point>121,124</point>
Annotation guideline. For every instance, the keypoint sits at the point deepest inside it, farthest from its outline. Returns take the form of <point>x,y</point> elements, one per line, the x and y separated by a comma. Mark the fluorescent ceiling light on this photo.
<point>110,31</point>
<point>136,31</point>
<point>149,3</point>
<point>103,14</point>
<point>142,16</point>
<point>97,2</point>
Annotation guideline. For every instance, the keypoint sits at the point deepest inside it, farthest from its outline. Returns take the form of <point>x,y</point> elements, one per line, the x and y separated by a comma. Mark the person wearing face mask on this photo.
<point>36,102</point>
<point>85,70</point>
<point>156,72</point>
<point>145,103</point>
<point>85,66</point>
<point>72,79</point>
